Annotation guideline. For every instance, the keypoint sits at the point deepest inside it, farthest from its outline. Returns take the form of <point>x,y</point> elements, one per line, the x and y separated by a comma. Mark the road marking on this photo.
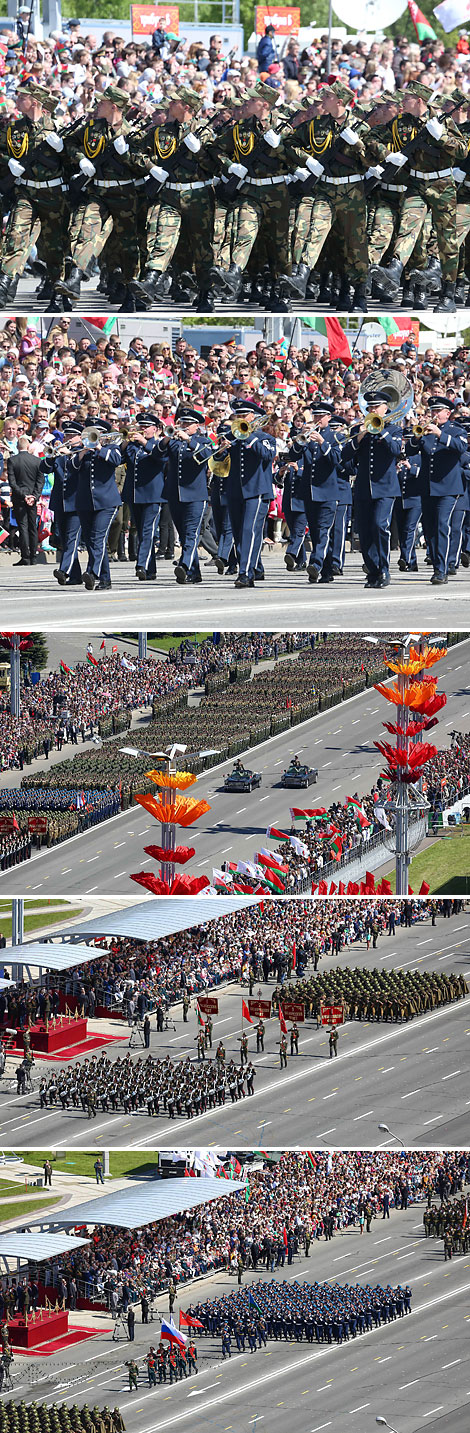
<point>362,1117</point>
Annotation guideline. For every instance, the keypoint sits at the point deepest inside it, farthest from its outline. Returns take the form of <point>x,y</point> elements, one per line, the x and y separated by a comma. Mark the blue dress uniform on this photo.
<point>293,507</point>
<point>143,492</point>
<point>337,543</point>
<point>186,491</point>
<point>408,512</point>
<point>319,490</point>
<point>97,502</point>
<point>375,489</point>
<point>460,518</point>
<point>226,556</point>
<point>249,489</point>
<point>62,503</point>
<point>441,484</point>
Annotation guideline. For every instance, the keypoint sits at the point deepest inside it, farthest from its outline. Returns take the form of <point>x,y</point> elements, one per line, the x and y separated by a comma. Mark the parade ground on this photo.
<point>411,1076</point>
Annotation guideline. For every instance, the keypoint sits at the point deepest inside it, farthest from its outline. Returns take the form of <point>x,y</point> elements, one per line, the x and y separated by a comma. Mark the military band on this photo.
<point>400,462</point>
<point>258,201</point>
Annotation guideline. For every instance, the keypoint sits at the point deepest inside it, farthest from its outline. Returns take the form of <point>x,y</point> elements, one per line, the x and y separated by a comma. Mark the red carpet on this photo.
<point>75,1335</point>
<point>93,1042</point>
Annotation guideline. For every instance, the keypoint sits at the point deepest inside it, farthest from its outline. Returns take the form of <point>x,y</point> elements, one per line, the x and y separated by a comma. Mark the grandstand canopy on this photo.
<point>49,957</point>
<point>162,916</point>
<point>37,1245</point>
<point>144,1204</point>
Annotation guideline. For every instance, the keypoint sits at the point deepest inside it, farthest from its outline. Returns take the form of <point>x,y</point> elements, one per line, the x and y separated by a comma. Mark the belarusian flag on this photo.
<point>294,955</point>
<point>200,1020</point>
<point>310,813</point>
<point>105,324</point>
<point>310,1157</point>
<point>275,835</point>
<point>423,29</point>
<point>355,807</point>
<point>92,660</point>
<point>64,668</point>
<point>338,346</point>
<point>388,323</point>
<point>336,848</point>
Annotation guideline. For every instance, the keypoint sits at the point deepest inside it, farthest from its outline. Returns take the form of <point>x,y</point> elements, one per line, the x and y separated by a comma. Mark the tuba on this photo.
<point>399,393</point>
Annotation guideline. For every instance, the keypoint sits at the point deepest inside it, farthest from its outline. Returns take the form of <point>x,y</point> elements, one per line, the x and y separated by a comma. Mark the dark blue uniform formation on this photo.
<point>325,1313</point>
<point>44,798</point>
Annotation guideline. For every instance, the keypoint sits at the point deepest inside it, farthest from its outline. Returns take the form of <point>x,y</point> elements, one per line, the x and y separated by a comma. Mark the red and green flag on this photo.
<point>200,1020</point>
<point>423,29</point>
<point>308,814</point>
<point>105,324</point>
<point>65,669</point>
<point>338,346</point>
<point>93,661</point>
<point>336,848</point>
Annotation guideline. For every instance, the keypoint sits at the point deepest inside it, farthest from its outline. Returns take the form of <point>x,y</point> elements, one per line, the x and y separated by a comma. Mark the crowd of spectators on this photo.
<point>252,942</point>
<point>307,1196</point>
<point>49,379</point>
<point>77,66</point>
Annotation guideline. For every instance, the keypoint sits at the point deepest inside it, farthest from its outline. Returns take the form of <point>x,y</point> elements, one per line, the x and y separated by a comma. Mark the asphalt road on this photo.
<point>338,742</point>
<point>283,601</point>
<point>412,1077</point>
<point>395,1371</point>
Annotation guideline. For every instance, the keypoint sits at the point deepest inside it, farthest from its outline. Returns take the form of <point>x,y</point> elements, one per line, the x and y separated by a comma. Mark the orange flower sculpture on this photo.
<point>416,661</point>
<point>172,780</point>
<point>179,813</point>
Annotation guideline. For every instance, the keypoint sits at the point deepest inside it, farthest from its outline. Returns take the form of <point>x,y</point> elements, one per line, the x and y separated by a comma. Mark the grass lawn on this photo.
<point>445,865</point>
<point>36,922</point>
<point>21,1210</point>
<point>121,1162</point>
<point>165,642</point>
<point>6,905</point>
<point>7,1187</point>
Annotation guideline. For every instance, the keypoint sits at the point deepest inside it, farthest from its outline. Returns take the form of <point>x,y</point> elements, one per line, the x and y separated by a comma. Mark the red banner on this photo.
<point>208,1004</point>
<point>332,1014</point>
<point>285,19</point>
<point>293,1010</point>
<point>408,332</point>
<point>6,825</point>
<point>147,18</point>
<point>260,1008</point>
<point>38,824</point>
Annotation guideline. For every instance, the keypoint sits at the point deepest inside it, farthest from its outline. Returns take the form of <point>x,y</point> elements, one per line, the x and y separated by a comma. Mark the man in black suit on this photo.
<point>26,481</point>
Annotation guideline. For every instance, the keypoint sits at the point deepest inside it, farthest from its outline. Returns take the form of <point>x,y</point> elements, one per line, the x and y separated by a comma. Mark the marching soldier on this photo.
<point>103,188</point>
<point>35,161</point>
<point>187,453</point>
<point>97,501</point>
<point>62,503</point>
<point>143,489</point>
<point>283,1052</point>
<point>441,448</point>
<point>321,455</point>
<point>249,489</point>
<point>374,454</point>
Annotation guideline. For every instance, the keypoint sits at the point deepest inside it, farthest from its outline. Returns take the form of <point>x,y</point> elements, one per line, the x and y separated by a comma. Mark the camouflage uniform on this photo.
<point>185,205</point>
<point>107,206</point>
<point>437,194</point>
<point>39,207</point>
<point>338,197</point>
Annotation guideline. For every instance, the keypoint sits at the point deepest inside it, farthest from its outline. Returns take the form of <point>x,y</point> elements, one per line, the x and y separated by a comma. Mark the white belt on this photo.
<point>434,174</point>
<point>197,184</point>
<point>117,183</point>
<point>276,179</point>
<point>395,188</point>
<point>42,183</point>
<point>346,179</point>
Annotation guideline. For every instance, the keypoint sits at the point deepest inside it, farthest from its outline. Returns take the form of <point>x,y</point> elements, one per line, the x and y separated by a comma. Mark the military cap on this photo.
<point>39,93</point>
<point>145,420</point>
<point>263,92</point>
<point>190,98</point>
<point>320,405</point>
<point>246,405</point>
<point>342,92</point>
<point>117,97</point>
<point>379,397</point>
<point>420,92</point>
<point>187,414</point>
<point>438,401</point>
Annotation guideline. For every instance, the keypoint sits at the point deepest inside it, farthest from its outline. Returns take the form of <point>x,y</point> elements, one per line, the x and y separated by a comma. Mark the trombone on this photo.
<point>373,423</point>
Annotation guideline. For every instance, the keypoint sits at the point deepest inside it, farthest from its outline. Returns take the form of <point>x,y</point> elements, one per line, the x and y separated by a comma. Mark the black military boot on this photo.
<point>5,281</point>
<point>359,303</point>
<point>70,284</point>
<point>298,280</point>
<point>121,548</point>
<point>324,293</point>
<point>59,303</point>
<point>447,302</point>
<point>345,297</point>
<point>154,286</point>
<point>204,301</point>
<point>279,301</point>
<point>431,274</point>
<point>132,544</point>
<point>45,289</point>
<point>388,279</point>
<point>461,291</point>
<point>420,299</point>
<point>407,294</point>
<point>313,287</point>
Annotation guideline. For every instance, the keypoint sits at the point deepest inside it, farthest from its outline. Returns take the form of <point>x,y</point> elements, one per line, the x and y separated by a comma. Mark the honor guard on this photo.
<point>249,487</point>
<point>143,489</point>
<point>35,150</point>
<point>98,499</point>
<point>103,187</point>
<point>187,451</point>
<point>442,448</point>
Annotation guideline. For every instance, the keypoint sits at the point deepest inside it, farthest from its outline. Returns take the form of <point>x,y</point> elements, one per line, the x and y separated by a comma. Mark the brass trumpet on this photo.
<point>373,423</point>
<point>243,427</point>
<point>420,429</point>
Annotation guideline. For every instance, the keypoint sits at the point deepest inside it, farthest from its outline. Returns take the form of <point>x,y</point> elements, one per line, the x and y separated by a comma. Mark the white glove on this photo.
<point>55,141</point>
<point>349,135</point>
<point>300,174</point>
<point>397,159</point>
<point>272,138</point>
<point>239,169</point>
<point>16,169</point>
<point>375,171</point>
<point>87,168</point>
<point>314,166</point>
<point>120,145</point>
<point>459,175</point>
<point>158,173</point>
<point>435,128</point>
<point>192,143</point>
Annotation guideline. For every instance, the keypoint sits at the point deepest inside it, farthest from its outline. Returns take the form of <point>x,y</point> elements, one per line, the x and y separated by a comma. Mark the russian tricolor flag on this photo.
<point>170,1332</point>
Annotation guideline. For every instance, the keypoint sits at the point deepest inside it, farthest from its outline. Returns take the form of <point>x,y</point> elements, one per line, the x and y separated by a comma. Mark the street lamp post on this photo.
<point>384,1424</point>
<point>386,1130</point>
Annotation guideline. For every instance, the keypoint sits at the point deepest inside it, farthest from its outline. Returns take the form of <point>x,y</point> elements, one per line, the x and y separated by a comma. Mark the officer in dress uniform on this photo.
<point>293,507</point>
<point>98,499</point>
<point>249,489</point>
<point>318,488</point>
<point>376,486</point>
<point>188,452</point>
<point>143,490</point>
<point>338,533</point>
<point>441,448</point>
<point>62,503</point>
<point>408,512</point>
<point>225,558</point>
